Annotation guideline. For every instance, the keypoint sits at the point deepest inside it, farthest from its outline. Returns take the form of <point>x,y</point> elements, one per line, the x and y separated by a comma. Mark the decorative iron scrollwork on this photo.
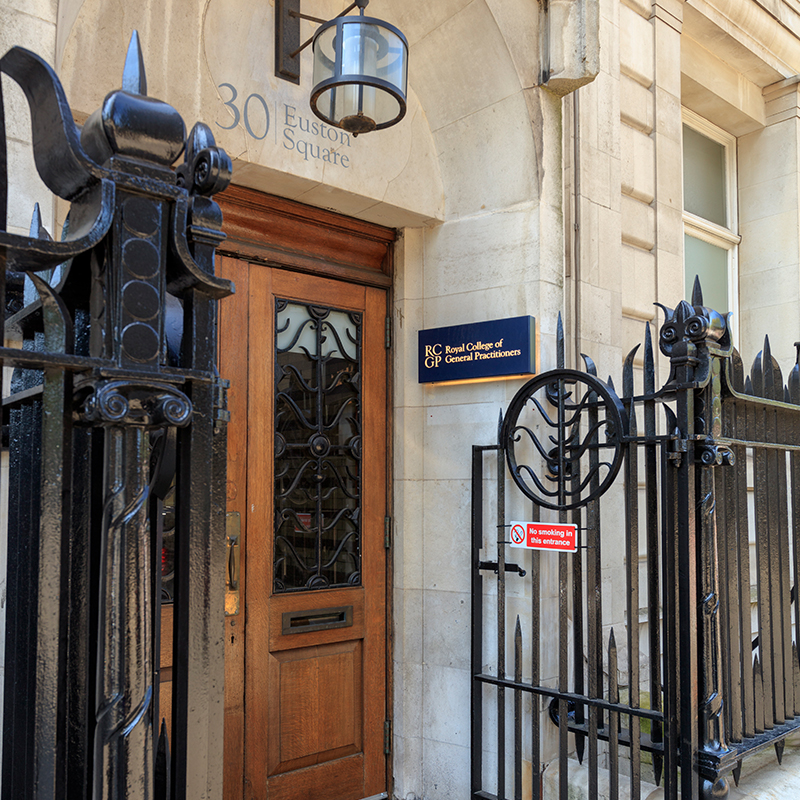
<point>715,455</point>
<point>317,447</point>
<point>563,460</point>
<point>691,333</point>
<point>207,168</point>
<point>150,405</point>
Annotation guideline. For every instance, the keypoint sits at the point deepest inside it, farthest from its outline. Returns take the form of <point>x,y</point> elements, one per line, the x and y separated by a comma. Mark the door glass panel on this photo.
<point>317,447</point>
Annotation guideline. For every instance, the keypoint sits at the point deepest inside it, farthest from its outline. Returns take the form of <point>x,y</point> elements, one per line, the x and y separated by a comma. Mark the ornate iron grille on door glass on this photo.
<point>114,393</point>
<point>317,447</point>
<point>704,677</point>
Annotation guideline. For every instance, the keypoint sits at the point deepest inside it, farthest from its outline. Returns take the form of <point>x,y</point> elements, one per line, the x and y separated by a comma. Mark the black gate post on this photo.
<point>697,340</point>
<point>119,345</point>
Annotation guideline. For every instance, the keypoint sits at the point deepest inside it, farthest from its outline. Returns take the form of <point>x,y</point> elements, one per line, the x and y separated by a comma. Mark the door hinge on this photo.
<point>388,333</point>
<point>387,532</point>
<point>220,400</point>
<point>387,737</point>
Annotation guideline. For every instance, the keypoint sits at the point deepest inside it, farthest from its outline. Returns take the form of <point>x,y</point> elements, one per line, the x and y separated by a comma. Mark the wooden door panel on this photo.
<point>294,286</point>
<point>233,316</point>
<point>343,779</point>
<point>374,510</point>
<point>315,705</point>
<point>258,423</point>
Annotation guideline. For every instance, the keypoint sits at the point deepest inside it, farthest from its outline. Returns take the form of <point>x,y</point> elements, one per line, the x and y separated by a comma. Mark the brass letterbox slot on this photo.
<point>317,619</point>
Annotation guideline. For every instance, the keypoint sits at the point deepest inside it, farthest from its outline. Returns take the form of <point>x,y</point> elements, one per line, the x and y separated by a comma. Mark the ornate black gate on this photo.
<point>114,394</point>
<point>705,512</point>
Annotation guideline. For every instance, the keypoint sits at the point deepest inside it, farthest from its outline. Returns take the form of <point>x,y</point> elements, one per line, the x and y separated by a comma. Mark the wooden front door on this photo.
<point>306,652</point>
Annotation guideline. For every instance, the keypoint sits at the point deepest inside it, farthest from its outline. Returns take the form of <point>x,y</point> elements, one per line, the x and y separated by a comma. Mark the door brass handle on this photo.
<point>233,530</point>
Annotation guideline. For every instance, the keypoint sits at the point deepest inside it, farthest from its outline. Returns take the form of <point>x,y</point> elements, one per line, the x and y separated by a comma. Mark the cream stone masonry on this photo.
<point>571,41</point>
<point>219,69</point>
<point>718,92</point>
<point>636,54</point>
<point>638,165</point>
<point>636,105</point>
<point>30,25</point>
<point>769,202</point>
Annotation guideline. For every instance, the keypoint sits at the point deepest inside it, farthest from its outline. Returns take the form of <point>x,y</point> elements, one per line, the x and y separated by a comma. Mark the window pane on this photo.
<point>710,264</point>
<point>704,177</point>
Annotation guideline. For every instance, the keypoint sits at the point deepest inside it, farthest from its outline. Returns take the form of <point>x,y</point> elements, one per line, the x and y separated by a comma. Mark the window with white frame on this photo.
<point>709,213</point>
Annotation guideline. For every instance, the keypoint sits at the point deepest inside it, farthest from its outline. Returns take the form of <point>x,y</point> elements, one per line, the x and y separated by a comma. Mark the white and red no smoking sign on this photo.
<point>544,536</point>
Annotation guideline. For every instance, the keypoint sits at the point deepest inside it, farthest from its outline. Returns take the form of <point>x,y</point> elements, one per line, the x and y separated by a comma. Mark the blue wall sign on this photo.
<point>492,349</point>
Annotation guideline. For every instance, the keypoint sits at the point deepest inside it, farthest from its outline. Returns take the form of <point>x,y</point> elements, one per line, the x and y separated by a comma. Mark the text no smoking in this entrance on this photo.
<point>544,536</point>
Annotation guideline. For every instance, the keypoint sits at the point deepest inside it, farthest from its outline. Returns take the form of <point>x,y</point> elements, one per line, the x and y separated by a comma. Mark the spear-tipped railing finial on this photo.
<point>134,79</point>
<point>697,292</point>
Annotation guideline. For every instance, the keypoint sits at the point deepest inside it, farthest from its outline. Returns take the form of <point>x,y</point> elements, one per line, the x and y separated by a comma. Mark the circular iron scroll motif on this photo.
<point>575,426</point>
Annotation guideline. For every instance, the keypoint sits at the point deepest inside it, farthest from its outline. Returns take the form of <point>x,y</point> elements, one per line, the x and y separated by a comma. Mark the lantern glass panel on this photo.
<point>361,53</point>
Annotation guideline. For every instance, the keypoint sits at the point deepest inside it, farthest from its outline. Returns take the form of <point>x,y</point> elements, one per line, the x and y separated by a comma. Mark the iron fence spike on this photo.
<point>736,369</point>
<point>134,79</point>
<point>779,748</point>
<point>627,373</point>
<point>37,230</point>
<point>697,292</point>
<point>757,375</point>
<point>591,367</point>
<point>668,312</point>
<point>649,361</point>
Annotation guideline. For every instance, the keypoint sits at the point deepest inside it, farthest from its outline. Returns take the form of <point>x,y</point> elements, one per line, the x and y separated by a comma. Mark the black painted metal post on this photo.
<point>697,339</point>
<point>501,613</point>
<point>682,350</point>
<point>123,756</point>
<point>100,370</point>
<point>476,653</point>
<point>715,758</point>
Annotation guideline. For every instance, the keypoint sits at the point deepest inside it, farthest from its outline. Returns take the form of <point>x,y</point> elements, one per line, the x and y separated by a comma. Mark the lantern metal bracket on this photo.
<point>287,35</point>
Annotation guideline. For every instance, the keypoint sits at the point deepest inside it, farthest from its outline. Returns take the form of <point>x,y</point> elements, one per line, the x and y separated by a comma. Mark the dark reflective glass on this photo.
<point>168,547</point>
<point>317,447</point>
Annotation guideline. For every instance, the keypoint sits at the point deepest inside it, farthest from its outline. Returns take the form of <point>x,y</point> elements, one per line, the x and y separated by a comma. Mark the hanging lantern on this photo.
<point>360,73</point>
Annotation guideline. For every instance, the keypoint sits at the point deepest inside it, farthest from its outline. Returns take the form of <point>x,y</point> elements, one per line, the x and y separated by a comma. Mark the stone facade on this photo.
<point>511,198</point>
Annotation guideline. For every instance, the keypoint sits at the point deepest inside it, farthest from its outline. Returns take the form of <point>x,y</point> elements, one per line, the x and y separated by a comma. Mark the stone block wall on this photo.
<point>30,24</point>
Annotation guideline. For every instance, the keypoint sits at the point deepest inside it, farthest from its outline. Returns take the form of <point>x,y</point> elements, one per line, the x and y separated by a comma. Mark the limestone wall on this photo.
<point>30,24</point>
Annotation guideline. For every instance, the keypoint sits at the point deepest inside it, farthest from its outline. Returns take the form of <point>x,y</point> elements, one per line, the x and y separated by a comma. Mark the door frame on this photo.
<point>283,234</point>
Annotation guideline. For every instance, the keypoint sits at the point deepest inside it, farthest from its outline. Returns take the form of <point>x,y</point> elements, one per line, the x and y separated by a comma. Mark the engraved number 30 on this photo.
<point>237,115</point>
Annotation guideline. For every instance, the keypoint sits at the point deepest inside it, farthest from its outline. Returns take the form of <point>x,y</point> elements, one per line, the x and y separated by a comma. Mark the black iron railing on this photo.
<point>114,393</point>
<point>695,482</point>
